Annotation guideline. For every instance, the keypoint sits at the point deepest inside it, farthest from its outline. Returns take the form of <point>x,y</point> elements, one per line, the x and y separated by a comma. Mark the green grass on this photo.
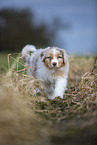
<point>6,61</point>
<point>3,62</point>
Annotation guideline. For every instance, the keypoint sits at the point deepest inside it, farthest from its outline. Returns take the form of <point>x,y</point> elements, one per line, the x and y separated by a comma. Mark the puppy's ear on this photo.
<point>64,55</point>
<point>42,56</point>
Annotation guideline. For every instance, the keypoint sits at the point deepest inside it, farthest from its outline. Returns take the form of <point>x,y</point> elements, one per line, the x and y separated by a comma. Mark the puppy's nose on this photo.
<point>54,63</point>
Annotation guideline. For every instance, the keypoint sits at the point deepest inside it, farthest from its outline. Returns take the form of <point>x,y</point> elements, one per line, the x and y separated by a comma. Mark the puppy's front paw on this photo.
<point>51,97</point>
<point>59,94</point>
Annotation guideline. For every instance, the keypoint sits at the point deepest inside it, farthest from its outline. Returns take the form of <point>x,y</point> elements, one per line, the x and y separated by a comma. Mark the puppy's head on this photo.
<point>54,57</point>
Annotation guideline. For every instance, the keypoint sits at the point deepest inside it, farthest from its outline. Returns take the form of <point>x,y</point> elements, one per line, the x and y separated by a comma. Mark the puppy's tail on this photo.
<point>27,50</point>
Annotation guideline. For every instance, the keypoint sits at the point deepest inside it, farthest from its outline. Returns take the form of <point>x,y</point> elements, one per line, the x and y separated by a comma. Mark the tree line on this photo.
<point>18,28</point>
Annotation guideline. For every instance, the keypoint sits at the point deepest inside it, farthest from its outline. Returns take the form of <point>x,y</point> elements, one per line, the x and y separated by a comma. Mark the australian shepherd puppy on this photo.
<point>50,66</point>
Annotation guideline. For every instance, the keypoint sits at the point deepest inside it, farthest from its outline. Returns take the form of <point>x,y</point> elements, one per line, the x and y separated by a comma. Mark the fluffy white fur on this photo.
<point>50,66</point>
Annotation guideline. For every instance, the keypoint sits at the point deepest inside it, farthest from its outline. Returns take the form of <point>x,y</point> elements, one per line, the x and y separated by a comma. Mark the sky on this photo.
<point>80,14</point>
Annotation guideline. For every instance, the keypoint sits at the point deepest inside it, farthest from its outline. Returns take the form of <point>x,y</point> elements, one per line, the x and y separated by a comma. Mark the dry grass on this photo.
<point>32,119</point>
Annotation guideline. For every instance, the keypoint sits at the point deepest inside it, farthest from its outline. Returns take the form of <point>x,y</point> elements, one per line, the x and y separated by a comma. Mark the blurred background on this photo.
<point>68,24</point>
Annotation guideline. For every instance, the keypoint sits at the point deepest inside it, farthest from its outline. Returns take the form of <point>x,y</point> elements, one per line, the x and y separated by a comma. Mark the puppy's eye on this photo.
<point>49,57</point>
<point>59,57</point>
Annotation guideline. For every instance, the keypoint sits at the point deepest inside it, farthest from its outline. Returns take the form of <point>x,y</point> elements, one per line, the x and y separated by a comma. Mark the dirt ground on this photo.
<point>27,119</point>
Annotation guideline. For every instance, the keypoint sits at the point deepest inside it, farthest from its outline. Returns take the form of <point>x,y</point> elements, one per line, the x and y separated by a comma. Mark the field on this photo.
<point>32,119</point>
